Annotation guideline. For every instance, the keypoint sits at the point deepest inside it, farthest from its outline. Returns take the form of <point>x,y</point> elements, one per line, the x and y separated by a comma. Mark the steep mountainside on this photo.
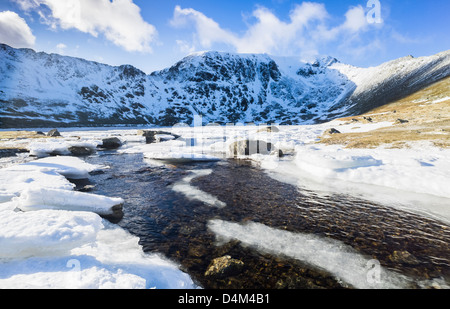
<point>421,117</point>
<point>391,81</point>
<point>38,89</point>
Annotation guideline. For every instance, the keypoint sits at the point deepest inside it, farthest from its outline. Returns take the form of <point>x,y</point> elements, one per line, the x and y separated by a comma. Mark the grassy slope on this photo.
<point>428,120</point>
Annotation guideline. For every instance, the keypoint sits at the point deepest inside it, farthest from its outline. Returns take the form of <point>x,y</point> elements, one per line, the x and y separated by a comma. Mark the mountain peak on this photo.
<point>37,89</point>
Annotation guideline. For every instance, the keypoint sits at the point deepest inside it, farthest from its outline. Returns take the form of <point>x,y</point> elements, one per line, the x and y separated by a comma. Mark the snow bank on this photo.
<point>402,169</point>
<point>70,167</point>
<point>415,179</point>
<point>42,149</point>
<point>71,250</point>
<point>45,233</point>
<point>53,237</point>
<point>47,173</point>
<point>323,164</point>
<point>56,199</point>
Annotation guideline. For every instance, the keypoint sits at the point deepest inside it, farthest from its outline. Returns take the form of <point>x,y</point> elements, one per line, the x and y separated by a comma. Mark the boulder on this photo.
<point>156,136</point>
<point>80,151</point>
<point>11,152</point>
<point>332,131</point>
<point>401,121</point>
<point>53,133</point>
<point>111,143</point>
<point>250,147</point>
<point>224,267</point>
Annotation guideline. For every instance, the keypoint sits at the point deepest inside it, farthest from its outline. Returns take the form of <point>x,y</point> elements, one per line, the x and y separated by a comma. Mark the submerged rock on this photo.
<point>224,267</point>
<point>404,257</point>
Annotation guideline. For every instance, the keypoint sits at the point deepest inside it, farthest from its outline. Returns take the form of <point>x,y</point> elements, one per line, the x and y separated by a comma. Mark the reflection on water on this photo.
<point>177,223</point>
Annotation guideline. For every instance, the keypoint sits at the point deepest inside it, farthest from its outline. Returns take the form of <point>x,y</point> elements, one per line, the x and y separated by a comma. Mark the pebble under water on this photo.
<point>178,227</point>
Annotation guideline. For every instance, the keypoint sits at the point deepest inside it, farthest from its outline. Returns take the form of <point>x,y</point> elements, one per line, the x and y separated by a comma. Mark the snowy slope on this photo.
<point>38,89</point>
<point>391,81</point>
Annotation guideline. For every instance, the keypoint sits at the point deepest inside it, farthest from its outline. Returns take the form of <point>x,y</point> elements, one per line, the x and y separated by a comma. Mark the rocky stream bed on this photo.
<point>178,227</point>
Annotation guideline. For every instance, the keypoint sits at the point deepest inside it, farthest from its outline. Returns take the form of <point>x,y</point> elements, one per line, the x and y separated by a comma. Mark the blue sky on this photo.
<point>153,35</point>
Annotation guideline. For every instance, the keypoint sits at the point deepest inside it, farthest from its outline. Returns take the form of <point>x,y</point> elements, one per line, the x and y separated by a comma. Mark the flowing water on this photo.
<point>286,238</point>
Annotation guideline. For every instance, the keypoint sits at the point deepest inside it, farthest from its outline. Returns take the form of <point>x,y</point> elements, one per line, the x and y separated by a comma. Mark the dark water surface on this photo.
<point>168,223</point>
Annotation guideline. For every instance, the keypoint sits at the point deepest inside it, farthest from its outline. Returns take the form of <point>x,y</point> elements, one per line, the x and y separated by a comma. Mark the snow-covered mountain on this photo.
<point>39,89</point>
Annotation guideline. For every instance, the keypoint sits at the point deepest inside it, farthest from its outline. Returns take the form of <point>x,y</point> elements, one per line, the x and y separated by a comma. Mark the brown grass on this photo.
<point>427,121</point>
<point>6,136</point>
<point>11,135</point>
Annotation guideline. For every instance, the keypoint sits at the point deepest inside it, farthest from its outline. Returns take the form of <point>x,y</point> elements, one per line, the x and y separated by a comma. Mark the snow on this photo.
<point>37,199</point>
<point>414,179</point>
<point>47,173</point>
<point>59,146</point>
<point>54,237</point>
<point>112,260</point>
<point>69,167</point>
<point>50,232</point>
<point>441,100</point>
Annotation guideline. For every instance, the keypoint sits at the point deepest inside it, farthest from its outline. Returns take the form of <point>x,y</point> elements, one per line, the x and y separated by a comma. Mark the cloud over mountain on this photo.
<point>307,28</point>
<point>120,21</point>
<point>15,31</point>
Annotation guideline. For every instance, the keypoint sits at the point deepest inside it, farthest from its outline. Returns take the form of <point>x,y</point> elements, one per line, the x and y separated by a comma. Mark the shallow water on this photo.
<point>168,222</point>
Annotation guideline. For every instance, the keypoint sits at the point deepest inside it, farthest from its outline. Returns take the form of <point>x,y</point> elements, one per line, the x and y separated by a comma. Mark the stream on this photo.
<point>285,238</point>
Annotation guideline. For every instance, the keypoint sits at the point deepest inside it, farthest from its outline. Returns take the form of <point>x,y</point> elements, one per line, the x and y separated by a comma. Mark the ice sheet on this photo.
<point>338,259</point>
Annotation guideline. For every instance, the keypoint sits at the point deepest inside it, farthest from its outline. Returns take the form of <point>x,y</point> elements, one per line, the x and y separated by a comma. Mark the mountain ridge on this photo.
<point>39,89</point>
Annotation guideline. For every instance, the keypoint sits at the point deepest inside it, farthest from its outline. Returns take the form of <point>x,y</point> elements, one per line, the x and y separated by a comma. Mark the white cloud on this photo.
<point>356,20</point>
<point>208,31</point>
<point>185,47</point>
<point>61,48</point>
<point>15,31</point>
<point>302,34</point>
<point>120,21</point>
<point>269,34</point>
